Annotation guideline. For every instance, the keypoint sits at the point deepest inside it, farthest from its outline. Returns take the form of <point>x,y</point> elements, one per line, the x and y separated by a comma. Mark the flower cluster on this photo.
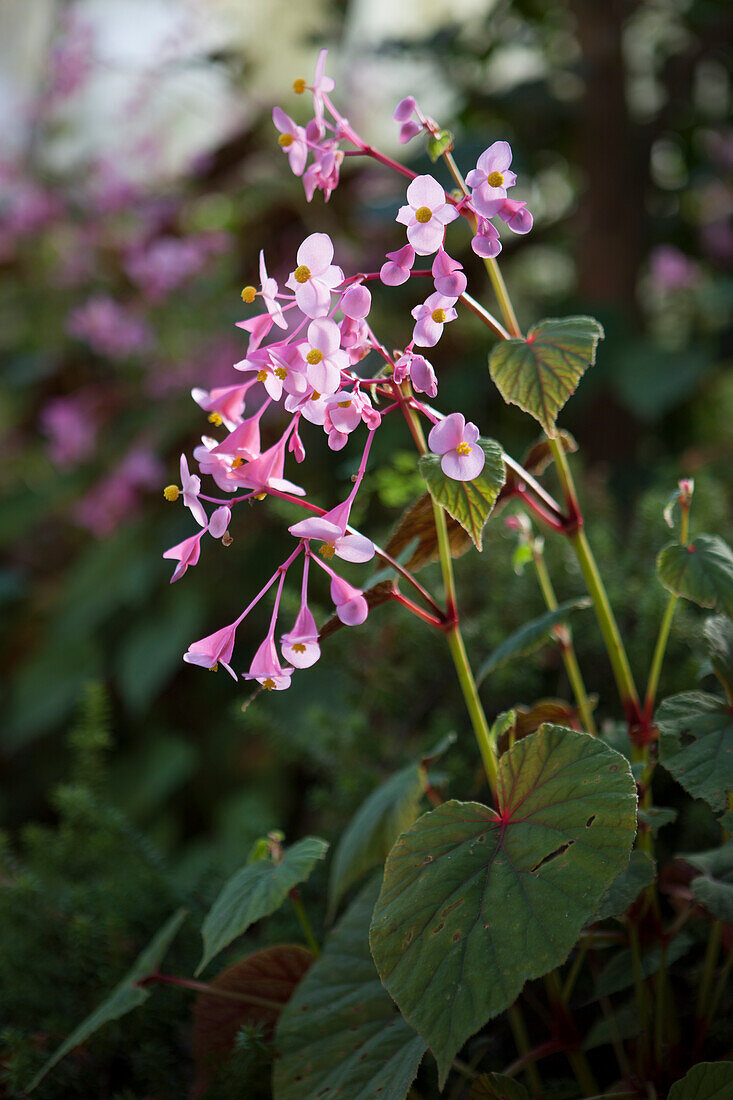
<point>310,352</point>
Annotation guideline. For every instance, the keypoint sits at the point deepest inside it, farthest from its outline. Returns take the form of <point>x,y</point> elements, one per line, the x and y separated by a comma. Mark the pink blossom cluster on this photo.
<point>109,328</point>
<point>312,353</point>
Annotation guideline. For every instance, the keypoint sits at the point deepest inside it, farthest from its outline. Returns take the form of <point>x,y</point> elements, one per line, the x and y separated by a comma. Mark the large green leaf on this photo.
<point>718,633</point>
<point>468,502</point>
<point>714,887</point>
<point>255,891</point>
<point>530,636</point>
<point>626,888</point>
<point>540,373</point>
<point>124,997</point>
<point>340,1034</point>
<point>702,571</point>
<point>476,902</point>
<point>705,1081</point>
<point>696,744</point>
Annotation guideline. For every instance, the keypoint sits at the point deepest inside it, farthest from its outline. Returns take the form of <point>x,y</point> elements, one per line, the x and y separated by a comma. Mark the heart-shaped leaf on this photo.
<point>696,744</point>
<point>469,502</point>
<point>626,888</point>
<point>702,571</point>
<point>476,902</point>
<point>714,887</point>
<point>124,997</point>
<point>718,633</point>
<point>255,891</point>
<point>340,1034</point>
<point>705,1081</point>
<point>540,373</point>
<point>530,636</point>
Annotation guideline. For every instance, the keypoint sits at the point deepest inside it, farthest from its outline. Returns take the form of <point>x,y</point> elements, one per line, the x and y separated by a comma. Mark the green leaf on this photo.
<point>696,744</point>
<point>623,1024</point>
<point>255,891</point>
<point>618,973</point>
<point>627,886</point>
<point>441,143</point>
<point>540,373</point>
<point>340,1033</point>
<point>714,887</point>
<point>530,636</point>
<point>495,1086</point>
<point>468,502</point>
<point>705,1081</point>
<point>702,571</point>
<point>124,997</point>
<point>475,903</point>
<point>370,834</point>
<point>718,634</point>
<point>656,817</point>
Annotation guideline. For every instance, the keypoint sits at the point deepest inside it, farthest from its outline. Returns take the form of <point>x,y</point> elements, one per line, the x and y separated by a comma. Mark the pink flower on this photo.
<point>213,650</point>
<point>191,487</point>
<point>419,371</point>
<point>269,291</point>
<point>219,466</point>
<point>356,302</point>
<point>325,358</point>
<point>258,327</point>
<point>344,412</point>
<point>185,553</point>
<point>315,276</point>
<point>486,243</point>
<point>448,275</point>
<point>266,668</point>
<point>403,113</point>
<point>291,141</point>
<point>490,178</point>
<point>323,173</point>
<point>321,85</point>
<point>351,607</point>
<point>427,215</point>
<point>514,212</point>
<point>330,529</point>
<point>398,267</point>
<point>431,316</point>
<point>266,472</point>
<point>456,441</point>
<point>300,645</point>
<point>227,401</point>
<point>244,441</point>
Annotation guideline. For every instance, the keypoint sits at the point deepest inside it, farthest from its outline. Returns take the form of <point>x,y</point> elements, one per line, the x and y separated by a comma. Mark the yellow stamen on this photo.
<point>248,295</point>
<point>281,373</point>
<point>302,273</point>
<point>215,419</point>
<point>214,667</point>
<point>260,496</point>
<point>314,356</point>
<point>237,462</point>
<point>315,396</point>
<point>343,404</point>
<point>327,550</point>
<point>438,316</point>
<point>299,86</point>
<point>298,647</point>
<point>495,179</point>
<point>463,449</point>
<point>284,140</point>
<point>423,214</point>
<point>268,684</point>
<point>171,492</point>
<point>262,376</point>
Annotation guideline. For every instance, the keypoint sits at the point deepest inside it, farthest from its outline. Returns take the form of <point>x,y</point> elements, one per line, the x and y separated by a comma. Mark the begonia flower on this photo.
<point>427,215</point>
<point>448,275</point>
<point>351,607</point>
<point>486,243</point>
<point>462,458</point>
<point>225,401</point>
<point>490,178</point>
<point>419,371</point>
<point>266,668</point>
<point>435,312</point>
<point>300,646</point>
<point>325,358</point>
<point>215,649</point>
<point>190,488</point>
<point>292,140</point>
<point>330,529</point>
<point>398,266</point>
<point>186,553</point>
<point>514,212</point>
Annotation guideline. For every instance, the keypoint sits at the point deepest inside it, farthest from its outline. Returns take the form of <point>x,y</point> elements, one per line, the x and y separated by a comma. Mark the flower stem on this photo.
<point>521,1039</point>
<point>305,924</point>
<point>212,990</point>
<point>658,658</point>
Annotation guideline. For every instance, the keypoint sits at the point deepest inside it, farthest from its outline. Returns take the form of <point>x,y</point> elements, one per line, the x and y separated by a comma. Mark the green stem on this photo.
<point>719,988</point>
<point>567,650</point>
<point>708,970</point>
<point>657,659</point>
<point>642,998</point>
<point>305,924</point>
<point>574,973</point>
<point>659,1008</point>
<point>576,1058</point>
<point>213,991</point>
<point>521,1039</point>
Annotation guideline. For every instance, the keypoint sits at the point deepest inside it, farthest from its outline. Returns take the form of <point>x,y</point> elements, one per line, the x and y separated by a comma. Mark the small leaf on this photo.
<point>714,887</point>
<point>618,973</point>
<point>696,744</point>
<point>705,1081</point>
<point>468,502</point>
<point>124,997</point>
<point>540,373</point>
<point>623,1024</point>
<point>340,1033</point>
<point>495,1086</point>
<point>626,888</point>
<point>656,817</point>
<point>718,633</point>
<point>272,973</point>
<point>555,711</point>
<point>702,571</point>
<point>440,143</point>
<point>475,903</point>
<point>530,636</point>
<point>415,533</point>
<point>255,891</point>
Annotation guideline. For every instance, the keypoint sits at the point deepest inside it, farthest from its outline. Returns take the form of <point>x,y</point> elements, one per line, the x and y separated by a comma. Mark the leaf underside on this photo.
<point>696,744</point>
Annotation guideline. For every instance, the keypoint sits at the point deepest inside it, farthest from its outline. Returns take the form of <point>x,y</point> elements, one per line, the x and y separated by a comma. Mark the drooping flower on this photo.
<point>351,607</point>
<point>486,243</point>
<point>514,212</point>
<point>403,113</point>
<point>448,275</point>
<point>266,668</point>
<point>185,553</point>
<point>226,402</point>
<point>266,472</point>
<point>490,178</point>
<point>427,215</point>
<point>190,488</point>
<point>398,266</point>
<point>315,276</point>
<point>324,171</point>
<point>418,370</point>
<point>430,317</point>
<point>292,140</point>
<point>269,291</point>
<point>215,649</point>
<point>457,442</point>
<point>330,529</point>
<point>300,646</point>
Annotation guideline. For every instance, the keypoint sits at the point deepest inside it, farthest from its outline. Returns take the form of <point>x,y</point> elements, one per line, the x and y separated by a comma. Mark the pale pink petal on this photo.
<point>356,548</point>
<point>313,298</point>
<point>356,302</point>
<point>463,467</point>
<point>316,527</point>
<point>447,434</point>
<point>404,109</point>
<point>219,522</point>
<point>409,130</point>
<point>316,253</point>
<point>425,191</point>
<point>426,237</point>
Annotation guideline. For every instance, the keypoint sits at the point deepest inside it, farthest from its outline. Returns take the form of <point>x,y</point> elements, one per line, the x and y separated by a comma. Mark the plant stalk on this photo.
<point>303,921</point>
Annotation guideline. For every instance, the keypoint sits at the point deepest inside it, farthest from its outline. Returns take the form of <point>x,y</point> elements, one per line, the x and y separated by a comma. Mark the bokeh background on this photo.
<point>139,178</point>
